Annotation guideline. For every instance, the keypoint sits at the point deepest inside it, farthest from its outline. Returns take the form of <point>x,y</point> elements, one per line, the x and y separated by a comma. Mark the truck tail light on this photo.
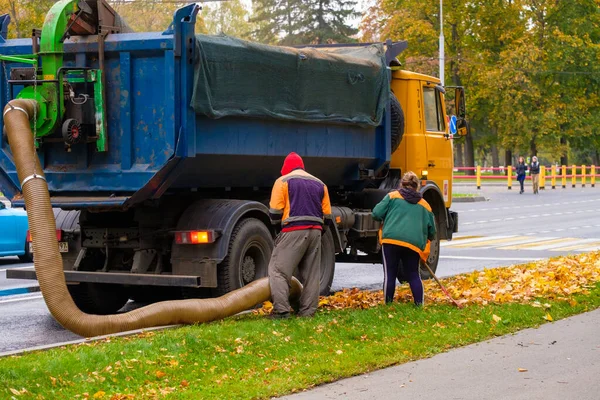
<point>59,235</point>
<point>195,237</point>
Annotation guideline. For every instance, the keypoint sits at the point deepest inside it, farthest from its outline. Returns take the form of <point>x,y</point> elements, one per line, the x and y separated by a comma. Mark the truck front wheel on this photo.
<point>250,249</point>
<point>434,256</point>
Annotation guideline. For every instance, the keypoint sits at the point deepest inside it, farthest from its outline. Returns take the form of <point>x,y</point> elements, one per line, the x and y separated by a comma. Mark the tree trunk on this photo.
<point>13,12</point>
<point>533,147</point>
<point>458,154</point>
<point>564,159</point>
<point>469,152</point>
<point>495,156</point>
<point>507,158</point>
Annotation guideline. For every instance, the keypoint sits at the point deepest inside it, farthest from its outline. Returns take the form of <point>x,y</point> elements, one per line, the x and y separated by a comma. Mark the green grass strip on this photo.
<point>250,357</point>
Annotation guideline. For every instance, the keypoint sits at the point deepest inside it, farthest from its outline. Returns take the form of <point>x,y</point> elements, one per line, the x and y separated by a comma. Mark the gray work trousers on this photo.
<point>293,249</point>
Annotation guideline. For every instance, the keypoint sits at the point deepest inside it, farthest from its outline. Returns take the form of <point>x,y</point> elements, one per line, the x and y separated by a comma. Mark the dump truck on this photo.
<point>161,148</point>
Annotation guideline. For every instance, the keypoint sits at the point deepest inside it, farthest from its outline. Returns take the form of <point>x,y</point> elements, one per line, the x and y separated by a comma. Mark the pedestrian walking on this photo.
<point>521,170</point>
<point>534,171</point>
<point>407,228</point>
<point>300,202</point>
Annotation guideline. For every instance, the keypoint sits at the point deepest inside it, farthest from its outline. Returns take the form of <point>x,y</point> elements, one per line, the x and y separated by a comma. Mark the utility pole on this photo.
<point>441,61</point>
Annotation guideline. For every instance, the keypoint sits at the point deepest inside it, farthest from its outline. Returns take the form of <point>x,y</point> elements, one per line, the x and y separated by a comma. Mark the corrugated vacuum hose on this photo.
<point>48,261</point>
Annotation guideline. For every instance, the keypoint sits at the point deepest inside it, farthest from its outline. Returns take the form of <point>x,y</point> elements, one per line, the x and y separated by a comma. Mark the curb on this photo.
<point>84,340</point>
<point>22,290</point>
<point>474,199</point>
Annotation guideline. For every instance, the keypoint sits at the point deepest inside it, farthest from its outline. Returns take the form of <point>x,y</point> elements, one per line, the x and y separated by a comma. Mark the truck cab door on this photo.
<point>439,150</point>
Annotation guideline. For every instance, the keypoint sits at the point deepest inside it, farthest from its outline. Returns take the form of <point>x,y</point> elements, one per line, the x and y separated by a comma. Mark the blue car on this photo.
<point>13,232</point>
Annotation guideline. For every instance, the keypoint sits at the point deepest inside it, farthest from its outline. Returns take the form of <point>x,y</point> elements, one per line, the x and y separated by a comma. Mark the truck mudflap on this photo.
<point>452,223</point>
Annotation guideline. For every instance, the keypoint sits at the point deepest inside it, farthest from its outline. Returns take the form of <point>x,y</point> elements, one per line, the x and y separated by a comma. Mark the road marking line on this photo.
<point>466,237</point>
<point>21,299</point>
<point>491,258</point>
<point>584,243</point>
<point>545,244</point>
<point>490,242</point>
<point>474,240</point>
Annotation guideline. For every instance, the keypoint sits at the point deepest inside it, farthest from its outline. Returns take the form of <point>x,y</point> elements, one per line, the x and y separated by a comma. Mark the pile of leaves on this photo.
<point>554,278</point>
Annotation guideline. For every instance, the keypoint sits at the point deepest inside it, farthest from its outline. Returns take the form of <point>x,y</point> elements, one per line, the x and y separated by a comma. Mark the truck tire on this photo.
<point>327,262</point>
<point>397,122</point>
<point>250,249</point>
<point>98,298</point>
<point>434,256</point>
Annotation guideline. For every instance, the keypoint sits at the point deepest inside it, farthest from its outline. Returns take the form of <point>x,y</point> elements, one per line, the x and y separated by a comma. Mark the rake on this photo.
<point>441,286</point>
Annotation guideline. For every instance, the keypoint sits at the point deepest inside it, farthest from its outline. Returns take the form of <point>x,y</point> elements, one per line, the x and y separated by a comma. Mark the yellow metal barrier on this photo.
<point>564,176</point>
<point>478,176</point>
<point>509,177</point>
<point>553,176</point>
<point>583,175</point>
<point>593,176</point>
<point>574,175</point>
<point>542,177</point>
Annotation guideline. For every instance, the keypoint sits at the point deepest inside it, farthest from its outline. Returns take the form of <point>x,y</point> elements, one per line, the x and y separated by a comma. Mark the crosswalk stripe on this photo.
<point>583,244</point>
<point>491,242</point>
<point>542,245</point>
<point>473,240</point>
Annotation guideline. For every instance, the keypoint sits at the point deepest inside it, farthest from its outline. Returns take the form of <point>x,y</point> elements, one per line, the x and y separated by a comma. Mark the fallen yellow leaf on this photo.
<point>99,394</point>
<point>339,352</point>
<point>160,374</point>
<point>496,318</point>
<point>548,317</point>
<point>522,370</point>
<point>15,392</point>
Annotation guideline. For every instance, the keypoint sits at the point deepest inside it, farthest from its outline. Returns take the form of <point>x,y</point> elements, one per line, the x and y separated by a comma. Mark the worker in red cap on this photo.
<point>300,203</point>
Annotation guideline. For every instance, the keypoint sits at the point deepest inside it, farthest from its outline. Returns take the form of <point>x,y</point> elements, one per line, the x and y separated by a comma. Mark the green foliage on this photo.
<point>530,66</point>
<point>230,18</point>
<point>304,21</point>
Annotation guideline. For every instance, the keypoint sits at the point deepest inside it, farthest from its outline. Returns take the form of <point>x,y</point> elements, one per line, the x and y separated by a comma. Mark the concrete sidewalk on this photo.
<point>561,359</point>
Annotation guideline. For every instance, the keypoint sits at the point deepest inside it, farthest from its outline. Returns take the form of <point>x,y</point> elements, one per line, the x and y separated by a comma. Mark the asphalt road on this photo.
<point>508,229</point>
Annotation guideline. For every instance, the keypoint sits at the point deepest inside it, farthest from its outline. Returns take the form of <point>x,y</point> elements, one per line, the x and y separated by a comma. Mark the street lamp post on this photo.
<point>441,61</point>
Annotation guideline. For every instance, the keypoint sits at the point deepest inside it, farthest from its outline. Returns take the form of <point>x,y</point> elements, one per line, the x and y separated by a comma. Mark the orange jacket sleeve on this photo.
<point>278,201</point>
<point>326,203</point>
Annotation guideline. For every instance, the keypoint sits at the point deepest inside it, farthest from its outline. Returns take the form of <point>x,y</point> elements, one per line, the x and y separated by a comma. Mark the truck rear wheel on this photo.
<point>327,263</point>
<point>250,249</point>
<point>98,298</point>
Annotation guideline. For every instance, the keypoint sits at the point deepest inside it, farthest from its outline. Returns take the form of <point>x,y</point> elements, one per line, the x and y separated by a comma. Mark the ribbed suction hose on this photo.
<point>48,261</point>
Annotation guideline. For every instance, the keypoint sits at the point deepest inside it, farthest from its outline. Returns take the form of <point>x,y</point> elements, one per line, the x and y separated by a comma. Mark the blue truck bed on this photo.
<point>158,145</point>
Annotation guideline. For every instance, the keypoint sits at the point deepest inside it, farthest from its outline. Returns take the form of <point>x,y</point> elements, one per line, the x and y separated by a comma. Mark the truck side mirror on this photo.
<point>462,126</point>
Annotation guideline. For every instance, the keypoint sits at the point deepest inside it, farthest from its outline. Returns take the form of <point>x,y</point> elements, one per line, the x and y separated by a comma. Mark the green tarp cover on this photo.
<point>234,77</point>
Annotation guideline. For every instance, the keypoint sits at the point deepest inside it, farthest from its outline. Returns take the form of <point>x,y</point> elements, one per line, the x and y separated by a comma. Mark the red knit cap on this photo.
<point>292,161</point>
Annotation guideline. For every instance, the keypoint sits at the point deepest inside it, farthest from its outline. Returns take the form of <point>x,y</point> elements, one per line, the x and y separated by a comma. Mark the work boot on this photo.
<point>275,315</point>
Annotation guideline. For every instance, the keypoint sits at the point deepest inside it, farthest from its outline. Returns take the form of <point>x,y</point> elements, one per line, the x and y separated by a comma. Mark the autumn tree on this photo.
<point>229,17</point>
<point>25,15</point>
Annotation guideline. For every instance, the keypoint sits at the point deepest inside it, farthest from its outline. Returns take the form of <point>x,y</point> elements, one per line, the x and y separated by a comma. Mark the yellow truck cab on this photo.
<point>426,147</point>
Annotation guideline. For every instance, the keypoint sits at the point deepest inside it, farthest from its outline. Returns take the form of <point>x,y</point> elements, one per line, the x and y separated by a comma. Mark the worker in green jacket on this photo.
<point>407,228</point>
